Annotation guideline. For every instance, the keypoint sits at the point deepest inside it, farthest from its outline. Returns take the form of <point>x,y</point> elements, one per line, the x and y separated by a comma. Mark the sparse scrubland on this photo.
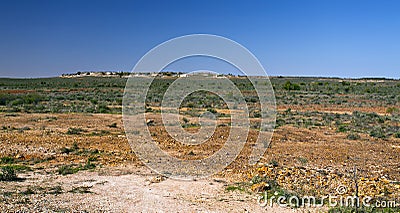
<point>329,132</point>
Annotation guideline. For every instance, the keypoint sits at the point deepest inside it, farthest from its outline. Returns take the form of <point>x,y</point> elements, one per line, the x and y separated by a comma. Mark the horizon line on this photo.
<point>271,76</point>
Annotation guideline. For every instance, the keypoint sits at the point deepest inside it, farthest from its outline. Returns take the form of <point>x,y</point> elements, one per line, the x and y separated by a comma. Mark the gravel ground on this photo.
<point>134,189</point>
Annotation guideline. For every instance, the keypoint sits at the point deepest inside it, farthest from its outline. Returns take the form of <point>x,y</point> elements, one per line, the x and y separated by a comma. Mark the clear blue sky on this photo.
<point>341,38</point>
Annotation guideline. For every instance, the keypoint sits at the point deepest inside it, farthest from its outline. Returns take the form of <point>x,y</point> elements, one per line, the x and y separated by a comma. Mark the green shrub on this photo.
<point>75,131</point>
<point>75,146</point>
<point>103,108</point>
<point>256,114</point>
<point>291,86</point>
<point>113,125</point>
<point>274,163</point>
<point>392,110</point>
<point>89,164</point>
<point>342,128</point>
<point>377,133</point>
<point>212,110</point>
<point>8,173</point>
<point>353,136</point>
<point>234,188</point>
<point>185,120</point>
<point>72,169</point>
<point>7,160</point>
<point>302,160</point>
<point>81,190</point>
<point>65,150</point>
<point>67,169</point>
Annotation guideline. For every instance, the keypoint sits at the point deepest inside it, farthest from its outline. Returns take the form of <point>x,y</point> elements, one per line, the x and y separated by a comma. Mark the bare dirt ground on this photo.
<point>119,183</point>
<point>127,189</point>
<point>108,177</point>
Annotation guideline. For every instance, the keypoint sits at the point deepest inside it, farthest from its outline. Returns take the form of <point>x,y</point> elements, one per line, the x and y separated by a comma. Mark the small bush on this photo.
<point>291,86</point>
<point>353,136</point>
<point>67,169</point>
<point>256,114</point>
<point>65,150</point>
<point>392,110</point>
<point>212,110</point>
<point>302,160</point>
<point>234,188</point>
<point>81,190</point>
<point>72,169</point>
<point>113,125</point>
<point>274,163</point>
<point>75,146</point>
<point>28,191</point>
<point>75,131</point>
<point>92,158</point>
<point>8,174</point>
<point>377,133</point>
<point>185,120</point>
<point>342,128</point>
<point>89,165</point>
<point>19,167</point>
<point>55,190</point>
<point>100,133</point>
<point>7,160</point>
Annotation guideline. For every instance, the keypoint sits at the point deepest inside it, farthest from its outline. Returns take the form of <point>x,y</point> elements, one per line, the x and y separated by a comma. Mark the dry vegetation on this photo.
<point>326,130</point>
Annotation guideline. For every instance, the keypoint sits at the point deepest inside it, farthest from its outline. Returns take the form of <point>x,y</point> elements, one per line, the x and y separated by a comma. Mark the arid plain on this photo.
<point>63,146</point>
